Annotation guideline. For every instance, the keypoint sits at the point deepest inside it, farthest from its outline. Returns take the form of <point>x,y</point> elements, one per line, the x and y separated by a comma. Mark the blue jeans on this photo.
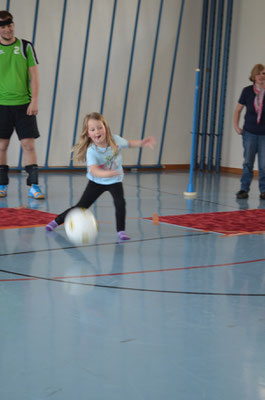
<point>253,144</point>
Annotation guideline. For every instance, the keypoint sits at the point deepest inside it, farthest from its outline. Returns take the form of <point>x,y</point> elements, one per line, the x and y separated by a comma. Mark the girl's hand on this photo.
<point>150,141</point>
<point>113,173</point>
<point>98,172</point>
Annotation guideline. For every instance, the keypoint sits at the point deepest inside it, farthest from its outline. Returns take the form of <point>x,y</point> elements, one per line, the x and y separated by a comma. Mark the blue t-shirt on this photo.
<point>104,158</point>
<point>247,99</point>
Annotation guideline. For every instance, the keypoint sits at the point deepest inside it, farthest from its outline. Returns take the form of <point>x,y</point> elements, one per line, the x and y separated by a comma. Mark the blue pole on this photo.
<point>190,190</point>
<point>33,42</point>
<point>108,57</point>
<point>82,78</point>
<point>151,78</point>
<point>130,68</point>
<point>228,25</point>
<point>55,84</point>
<point>171,83</point>
<point>214,95</point>
<point>201,66</point>
<point>208,76</point>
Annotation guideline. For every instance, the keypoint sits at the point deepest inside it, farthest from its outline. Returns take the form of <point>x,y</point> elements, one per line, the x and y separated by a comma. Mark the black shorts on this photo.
<point>15,117</point>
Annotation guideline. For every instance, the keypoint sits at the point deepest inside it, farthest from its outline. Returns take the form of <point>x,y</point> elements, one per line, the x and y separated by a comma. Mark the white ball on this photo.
<point>81,226</point>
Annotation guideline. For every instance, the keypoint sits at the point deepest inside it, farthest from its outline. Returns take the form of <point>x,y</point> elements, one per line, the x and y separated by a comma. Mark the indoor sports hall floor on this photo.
<point>174,313</point>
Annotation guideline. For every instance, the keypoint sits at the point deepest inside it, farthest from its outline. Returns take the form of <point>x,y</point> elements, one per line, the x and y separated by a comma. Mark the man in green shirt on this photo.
<point>19,90</point>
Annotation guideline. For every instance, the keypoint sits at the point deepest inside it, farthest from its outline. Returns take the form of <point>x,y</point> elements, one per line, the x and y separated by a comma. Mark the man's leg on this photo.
<point>29,152</point>
<point>31,167</point>
<point>3,151</point>
<point>27,131</point>
<point>3,167</point>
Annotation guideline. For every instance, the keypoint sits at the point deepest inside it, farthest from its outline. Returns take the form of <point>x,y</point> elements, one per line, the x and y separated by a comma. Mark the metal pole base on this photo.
<point>190,194</point>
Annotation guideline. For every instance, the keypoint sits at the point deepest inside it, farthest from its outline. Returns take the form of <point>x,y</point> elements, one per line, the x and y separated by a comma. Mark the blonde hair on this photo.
<point>256,70</point>
<point>79,150</point>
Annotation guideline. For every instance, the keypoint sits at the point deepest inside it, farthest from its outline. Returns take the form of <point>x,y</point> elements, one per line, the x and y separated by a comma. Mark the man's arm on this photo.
<point>34,84</point>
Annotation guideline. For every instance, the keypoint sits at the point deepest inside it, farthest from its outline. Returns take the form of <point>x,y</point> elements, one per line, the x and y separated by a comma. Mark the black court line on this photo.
<point>212,202</point>
<point>35,277</point>
<point>103,244</point>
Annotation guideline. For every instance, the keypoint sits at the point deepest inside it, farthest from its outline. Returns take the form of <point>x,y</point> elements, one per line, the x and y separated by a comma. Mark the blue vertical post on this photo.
<point>55,84</point>
<point>81,78</point>
<point>130,68</point>
<point>33,42</point>
<point>171,83</point>
<point>190,190</point>
<point>215,83</point>
<point>108,57</point>
<point>150,79</point>
<point>201,66</point>
<point>207,83</point>
<point>223,84</point>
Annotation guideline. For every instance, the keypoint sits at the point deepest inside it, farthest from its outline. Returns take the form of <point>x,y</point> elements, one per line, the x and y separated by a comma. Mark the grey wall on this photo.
<point>147,100</point>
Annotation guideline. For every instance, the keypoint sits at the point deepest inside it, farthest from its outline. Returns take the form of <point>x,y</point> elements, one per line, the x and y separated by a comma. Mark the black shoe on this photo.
<point>262,196</point>
<point>242,194</point>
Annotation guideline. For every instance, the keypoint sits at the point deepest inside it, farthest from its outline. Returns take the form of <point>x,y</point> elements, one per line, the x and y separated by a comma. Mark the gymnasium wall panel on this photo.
<point>132,60</point>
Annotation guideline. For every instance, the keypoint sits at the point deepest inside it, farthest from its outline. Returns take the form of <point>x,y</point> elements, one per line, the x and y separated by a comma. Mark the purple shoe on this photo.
<point>51,226</point>
<point>123,235</point>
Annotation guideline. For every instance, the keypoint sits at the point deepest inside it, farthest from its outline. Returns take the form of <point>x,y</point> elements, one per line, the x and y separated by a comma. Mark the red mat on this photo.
<point>229,223</point>
<point>23,218</point>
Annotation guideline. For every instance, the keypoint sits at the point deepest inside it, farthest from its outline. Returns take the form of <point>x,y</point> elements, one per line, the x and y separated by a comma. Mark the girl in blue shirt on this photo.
<point>101,151</point>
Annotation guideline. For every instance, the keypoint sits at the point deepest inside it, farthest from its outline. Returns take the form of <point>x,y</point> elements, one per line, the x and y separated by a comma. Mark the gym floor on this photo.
<point>174,313</point>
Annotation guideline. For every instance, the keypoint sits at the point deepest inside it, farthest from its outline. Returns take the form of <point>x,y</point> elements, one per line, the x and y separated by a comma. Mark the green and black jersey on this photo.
<point>15,61</point>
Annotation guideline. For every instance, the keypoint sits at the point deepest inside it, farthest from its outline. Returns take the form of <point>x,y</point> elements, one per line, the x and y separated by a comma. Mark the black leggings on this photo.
<point>92,193</point>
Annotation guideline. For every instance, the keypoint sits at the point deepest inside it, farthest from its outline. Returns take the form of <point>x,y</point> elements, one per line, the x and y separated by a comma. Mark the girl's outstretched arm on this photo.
<point>98,172</point>
<point>149,141</point>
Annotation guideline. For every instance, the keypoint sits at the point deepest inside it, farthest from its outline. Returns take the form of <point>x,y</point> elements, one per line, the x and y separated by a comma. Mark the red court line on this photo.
<point>19,279</point>
<point>21,227</point>
<point>139,272</point>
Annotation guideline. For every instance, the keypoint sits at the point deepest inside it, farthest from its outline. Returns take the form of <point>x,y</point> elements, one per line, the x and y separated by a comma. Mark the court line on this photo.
<point>101,244</point>
<point>148,271</point>
<point>149,290</point>
<point>162,270</point>
<point>200,199</point>
<point>64,279</point>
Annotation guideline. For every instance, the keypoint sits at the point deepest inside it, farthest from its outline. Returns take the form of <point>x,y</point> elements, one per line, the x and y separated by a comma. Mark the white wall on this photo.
<point>179,124</point>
